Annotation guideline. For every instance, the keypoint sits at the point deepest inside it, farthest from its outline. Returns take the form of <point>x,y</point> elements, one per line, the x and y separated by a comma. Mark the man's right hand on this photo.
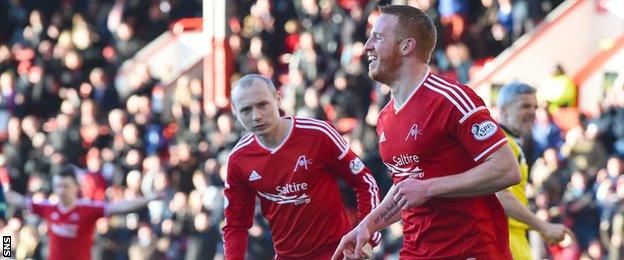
<point>352,245</point>
<point>554,233</point>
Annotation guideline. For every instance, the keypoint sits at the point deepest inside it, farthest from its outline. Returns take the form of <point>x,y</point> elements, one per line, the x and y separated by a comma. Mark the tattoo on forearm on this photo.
<point>387,213</point>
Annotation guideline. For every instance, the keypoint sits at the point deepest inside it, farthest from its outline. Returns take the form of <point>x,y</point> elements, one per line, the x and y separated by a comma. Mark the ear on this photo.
<point>502,112</point>
<point>407,46</point>
<point>279,98</point>
<point>233,109</point>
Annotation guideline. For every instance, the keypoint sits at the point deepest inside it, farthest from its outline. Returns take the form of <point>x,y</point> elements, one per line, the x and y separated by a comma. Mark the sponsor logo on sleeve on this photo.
<point>484,130</point>
<point>356,165</point>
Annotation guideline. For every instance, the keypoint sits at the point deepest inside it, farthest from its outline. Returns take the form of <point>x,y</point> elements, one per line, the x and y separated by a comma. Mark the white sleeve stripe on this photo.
<point>490,148</point>
<point>337,139</point>
<point>452,91</point>
<point>456,87</point>
<point>466,116</point>
<point>238,147</point>
<point>343,154</point>
<point>371,190</point>
<point>376,188</point>
<point>243,139</point>
<point>340,146</point>
<point>322,124</point>
<point>386,106</point>
<point>459,107</point>
<point>325,125</point>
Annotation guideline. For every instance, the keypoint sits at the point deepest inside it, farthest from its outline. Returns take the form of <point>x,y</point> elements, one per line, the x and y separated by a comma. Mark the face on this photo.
<point>65,187</point>
<point>256,108</point>
<point>383,50</point>
<point>520,114</point>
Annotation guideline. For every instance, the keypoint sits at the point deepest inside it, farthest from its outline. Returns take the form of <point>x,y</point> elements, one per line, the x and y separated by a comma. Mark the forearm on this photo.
<point>499,171</point>
<point>128,206</point>
<point>386,214</point>
<point>15,199</point>
<point>514,209</point>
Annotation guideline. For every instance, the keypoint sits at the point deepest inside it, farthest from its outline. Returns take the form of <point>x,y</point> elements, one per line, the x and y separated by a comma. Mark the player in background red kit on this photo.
<point>292,165</point>
<point>71,221</point>
<point>447,156</point>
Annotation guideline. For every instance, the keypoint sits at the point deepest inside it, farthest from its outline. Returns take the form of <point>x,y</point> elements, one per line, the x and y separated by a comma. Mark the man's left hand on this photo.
<point>411,193</point>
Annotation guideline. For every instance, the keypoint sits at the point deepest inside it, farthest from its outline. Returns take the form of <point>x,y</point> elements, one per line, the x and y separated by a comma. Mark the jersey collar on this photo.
<point>273,151</point>
<point>514,135</point>
<point>411,95</point>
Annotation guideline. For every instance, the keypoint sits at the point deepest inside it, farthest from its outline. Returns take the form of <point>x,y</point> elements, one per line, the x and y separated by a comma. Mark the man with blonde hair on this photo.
<point>292,164</point>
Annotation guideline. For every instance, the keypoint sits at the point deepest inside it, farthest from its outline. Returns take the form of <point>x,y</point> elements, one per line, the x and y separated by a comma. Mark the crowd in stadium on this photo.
<point>59,105</point>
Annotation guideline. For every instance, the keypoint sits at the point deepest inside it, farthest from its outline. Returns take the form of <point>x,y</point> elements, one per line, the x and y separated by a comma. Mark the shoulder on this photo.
<point>89,205</point>
<point>315,127</point>
<point>515,147</point>
<point>245,141</point>
<point>454,96</point>
<point>41,203</point>
<point>387,108</point>
<point>320,129</point>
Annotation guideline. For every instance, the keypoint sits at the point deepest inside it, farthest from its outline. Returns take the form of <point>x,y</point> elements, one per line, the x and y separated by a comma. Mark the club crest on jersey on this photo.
<point>356,165</point>
<point>254,176</point>
<point>413,132</point>
<point>302,162</point>
<point>484,130</point>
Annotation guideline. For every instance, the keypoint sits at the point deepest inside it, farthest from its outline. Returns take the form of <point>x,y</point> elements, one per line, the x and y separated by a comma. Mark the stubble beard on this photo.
<point>387,69</point>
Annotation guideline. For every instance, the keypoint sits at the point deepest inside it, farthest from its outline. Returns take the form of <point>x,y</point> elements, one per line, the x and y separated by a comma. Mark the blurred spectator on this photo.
<point>559,90</point>
<point>584,153</point>
<point>59,104</point>
<point>580,209</point>
<point>545,134</point>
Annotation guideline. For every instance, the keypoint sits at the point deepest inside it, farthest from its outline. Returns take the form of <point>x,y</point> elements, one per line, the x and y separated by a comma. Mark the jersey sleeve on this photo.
<point>239,209</point>
<point>472,125</point>
<point>39,208</point>
<point>346,165</point>
<point>94,210</point>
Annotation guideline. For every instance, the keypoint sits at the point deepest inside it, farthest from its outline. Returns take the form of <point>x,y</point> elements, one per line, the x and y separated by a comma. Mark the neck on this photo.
<point>407,82</point>
<point>68,203</point>
<point>277,136</point>
<point>509,130</point>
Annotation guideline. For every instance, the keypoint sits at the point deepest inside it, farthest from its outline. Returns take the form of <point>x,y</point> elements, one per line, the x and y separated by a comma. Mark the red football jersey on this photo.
<point>444,129</point>
<point>297,185</point>
<point>70,229</point>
